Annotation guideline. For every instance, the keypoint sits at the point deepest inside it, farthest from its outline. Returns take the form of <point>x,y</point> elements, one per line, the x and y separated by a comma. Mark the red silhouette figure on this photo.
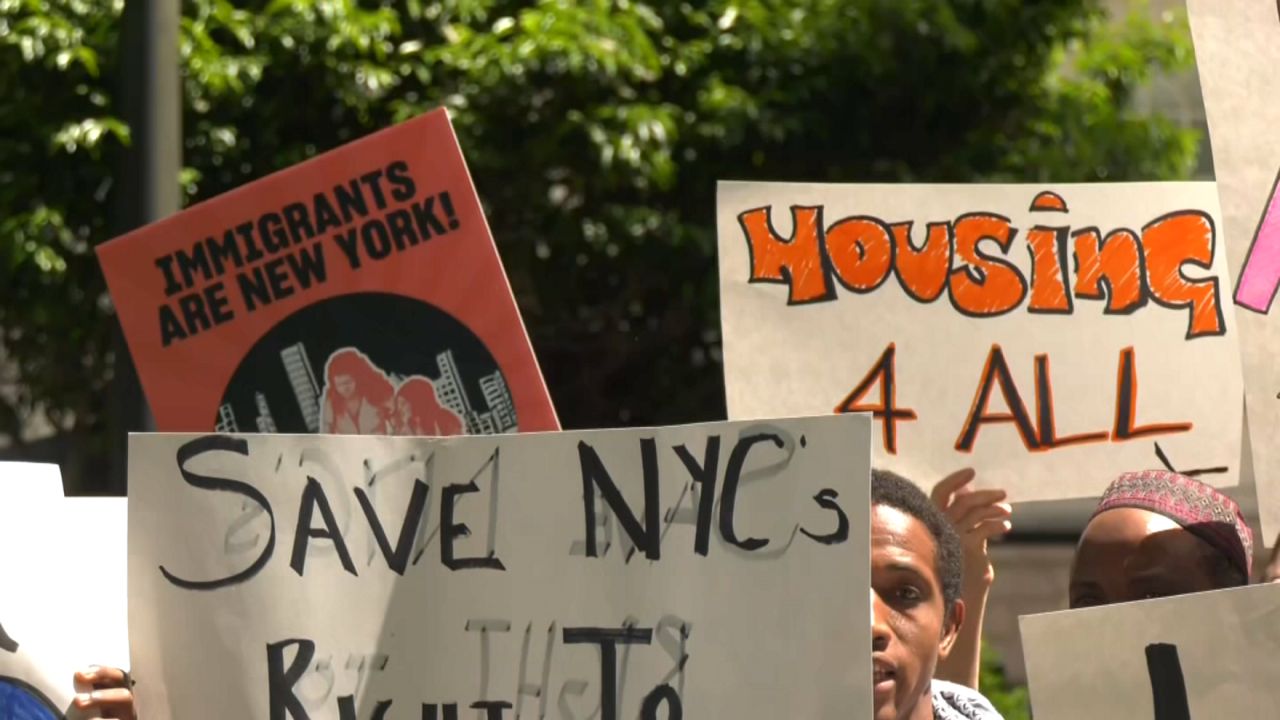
<point>418,411</point>
<point>357,396</point>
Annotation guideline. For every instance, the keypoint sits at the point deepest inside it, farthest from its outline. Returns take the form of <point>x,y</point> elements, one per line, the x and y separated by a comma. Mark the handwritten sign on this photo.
<point>64,590</point>
<point>1027,330</point>
<point>1237,51</point>
<point>1208,655</point>
<point>31,480</point>
<point>357,292</point>
<point>700,571</point>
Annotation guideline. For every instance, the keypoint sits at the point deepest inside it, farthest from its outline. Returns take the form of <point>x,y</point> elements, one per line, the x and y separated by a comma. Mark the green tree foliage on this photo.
<point>595,130</point>
<point>1013,702</point>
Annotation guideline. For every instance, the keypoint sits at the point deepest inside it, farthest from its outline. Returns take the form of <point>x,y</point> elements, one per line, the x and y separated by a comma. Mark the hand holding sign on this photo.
<point>104,692</point>
<point>978,515</point>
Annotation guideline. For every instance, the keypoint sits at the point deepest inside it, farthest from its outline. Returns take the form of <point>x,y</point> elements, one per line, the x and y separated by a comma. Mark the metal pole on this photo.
<point>150,99</point>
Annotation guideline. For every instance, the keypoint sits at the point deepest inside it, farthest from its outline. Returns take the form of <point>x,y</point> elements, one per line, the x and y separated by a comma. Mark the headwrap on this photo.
<point>1198,508</point>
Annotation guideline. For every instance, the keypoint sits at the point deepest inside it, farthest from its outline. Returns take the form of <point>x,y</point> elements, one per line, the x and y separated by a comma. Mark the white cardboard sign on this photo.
<point>63,603</point>
<point>1030,331</point>
<point>28,480</point>
<point>1238,53</point>
<point>1207,655</point>
<point>709,570</point>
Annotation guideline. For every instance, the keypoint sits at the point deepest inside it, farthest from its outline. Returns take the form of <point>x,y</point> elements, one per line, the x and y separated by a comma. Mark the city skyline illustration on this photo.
<point>496,414</point>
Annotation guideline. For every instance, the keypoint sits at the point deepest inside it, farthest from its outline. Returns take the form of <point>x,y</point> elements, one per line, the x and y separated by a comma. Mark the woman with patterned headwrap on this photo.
<point>1156,534</point>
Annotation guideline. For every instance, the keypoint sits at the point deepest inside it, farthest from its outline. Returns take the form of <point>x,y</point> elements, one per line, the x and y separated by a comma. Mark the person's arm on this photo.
<point>103,692</point>
<point>978,515</point>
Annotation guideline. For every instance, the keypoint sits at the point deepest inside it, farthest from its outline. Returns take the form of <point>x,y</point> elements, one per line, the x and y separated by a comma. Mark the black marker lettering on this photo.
<point>827,499</point>
<point>314,498</point>
<point>608,640</point>
<point>704,474</point>
<point>239,446</point>
<point>281,700</point>
<point>398,558</point>
<point>1168,689</point>
<point>451,531</point>
<point>658,696</point>
<point>493,708</point>
<point>594,475</point>
<point>729,495</point>
<point>450,711</point>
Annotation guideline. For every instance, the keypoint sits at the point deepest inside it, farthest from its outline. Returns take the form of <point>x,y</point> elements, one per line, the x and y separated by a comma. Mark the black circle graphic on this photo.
<point>280,384</point>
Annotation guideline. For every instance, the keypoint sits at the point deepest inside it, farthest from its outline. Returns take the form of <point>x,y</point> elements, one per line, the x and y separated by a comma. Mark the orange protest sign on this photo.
<point>357,292</point>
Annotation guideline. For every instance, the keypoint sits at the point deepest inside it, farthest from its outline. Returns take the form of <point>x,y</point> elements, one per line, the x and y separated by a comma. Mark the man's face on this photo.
<point>909,627</point>
<point>1128,554</point>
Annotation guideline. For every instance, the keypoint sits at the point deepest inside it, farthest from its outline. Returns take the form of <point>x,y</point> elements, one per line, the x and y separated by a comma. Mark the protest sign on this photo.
<point>1052,336</point>
<point>1237,51</point>
<point>1206,655</point>
<point>702,571</point>
<point>63,603</point>
<point>42,480</point>
<point>357,292</point>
